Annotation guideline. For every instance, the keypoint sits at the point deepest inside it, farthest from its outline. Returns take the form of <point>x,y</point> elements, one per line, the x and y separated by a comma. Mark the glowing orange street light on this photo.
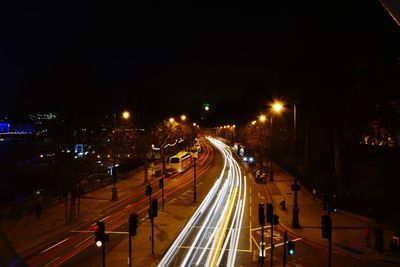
<point>194,124</point>
<point>254,122</point>
<point>277,107</point>
<point>126,115</point>
<point>262,118</point>
<point>183,117</point>
<point>171,120</point>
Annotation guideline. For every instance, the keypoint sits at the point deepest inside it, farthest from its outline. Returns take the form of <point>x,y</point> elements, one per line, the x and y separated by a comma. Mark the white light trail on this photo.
<point>216,225</point>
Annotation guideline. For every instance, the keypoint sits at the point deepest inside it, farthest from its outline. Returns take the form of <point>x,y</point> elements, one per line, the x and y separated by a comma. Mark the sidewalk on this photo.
<point>347,232</point>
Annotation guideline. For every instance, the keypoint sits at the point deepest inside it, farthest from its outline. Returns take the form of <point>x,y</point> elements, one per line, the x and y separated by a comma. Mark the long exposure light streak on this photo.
<point>211,236</point>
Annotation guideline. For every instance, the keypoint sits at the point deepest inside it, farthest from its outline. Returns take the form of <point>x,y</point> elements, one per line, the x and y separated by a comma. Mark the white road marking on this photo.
<point>54,245</point>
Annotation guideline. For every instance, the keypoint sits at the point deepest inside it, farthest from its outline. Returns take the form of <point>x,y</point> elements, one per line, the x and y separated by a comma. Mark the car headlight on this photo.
<point>244,158</point>
<point>251,159</point>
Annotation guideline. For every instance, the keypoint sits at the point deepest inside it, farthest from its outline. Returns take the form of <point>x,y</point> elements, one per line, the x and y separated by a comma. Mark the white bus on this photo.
<point>180,161</point>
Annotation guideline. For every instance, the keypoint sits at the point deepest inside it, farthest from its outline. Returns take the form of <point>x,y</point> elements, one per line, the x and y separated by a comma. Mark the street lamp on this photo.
<point>277,107</point>
<point>295,216</point>
<point>125,115</point>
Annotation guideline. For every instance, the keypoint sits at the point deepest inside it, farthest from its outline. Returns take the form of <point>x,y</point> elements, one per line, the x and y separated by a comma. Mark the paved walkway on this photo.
<point>348,228</point>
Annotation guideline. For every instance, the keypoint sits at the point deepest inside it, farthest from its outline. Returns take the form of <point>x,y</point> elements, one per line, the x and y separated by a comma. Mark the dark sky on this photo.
<point>164,59</point>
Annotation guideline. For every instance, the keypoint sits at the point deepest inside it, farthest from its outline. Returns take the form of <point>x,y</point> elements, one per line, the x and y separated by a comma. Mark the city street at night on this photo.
<point>169,134</point>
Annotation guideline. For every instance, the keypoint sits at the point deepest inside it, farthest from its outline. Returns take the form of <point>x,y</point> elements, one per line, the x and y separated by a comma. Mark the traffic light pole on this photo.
<point>330,237</point>
<point>194,179</point>
<point>272,241</point>
<point>152,233</point>
<point>262,245</point>
<point>104,253</point>
<point>284,248</point>
<point>130,250</point>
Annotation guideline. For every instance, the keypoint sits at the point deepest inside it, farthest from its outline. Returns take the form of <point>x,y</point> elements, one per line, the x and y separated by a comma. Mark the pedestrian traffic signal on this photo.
<point>291,248</point>
<point>100,234</point>
<point>161,183</point>
<point>149,190</point>
<point>269,213</point>
<point>326,226</point>
<point>133,224</point>
<point>154,207</point>
<point>261,215</point>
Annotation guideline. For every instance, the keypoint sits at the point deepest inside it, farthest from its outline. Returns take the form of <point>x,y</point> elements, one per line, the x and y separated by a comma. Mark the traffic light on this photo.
<point>325,201</point>
<point>269,213</point>
<point>326,226</point>
<point>154,207</point>
<point>100,234</point>
<point>206,106</point>
<point>276,219</point>
<point>291,248</point>
<point>261,215</point>
<point>333,203</point>
<point>161,183</point>
<point>133,224</point>
<point>149,190</point>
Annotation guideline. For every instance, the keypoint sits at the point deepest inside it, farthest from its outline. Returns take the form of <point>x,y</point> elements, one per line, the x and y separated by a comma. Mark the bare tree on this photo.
<point>143,141</point>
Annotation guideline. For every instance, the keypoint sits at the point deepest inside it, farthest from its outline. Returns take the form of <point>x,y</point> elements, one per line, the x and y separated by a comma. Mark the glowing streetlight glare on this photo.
<point>206,108</point>
<point>262,118</point>
<point>254,122</point>
<point>194,124</point>
<point>277,106</point>
<point>126,115</point>
<point>171,120</point>
<point>183,117</point>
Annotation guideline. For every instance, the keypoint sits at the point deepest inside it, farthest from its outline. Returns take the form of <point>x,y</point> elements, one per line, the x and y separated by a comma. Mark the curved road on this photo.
<point>211,236</point>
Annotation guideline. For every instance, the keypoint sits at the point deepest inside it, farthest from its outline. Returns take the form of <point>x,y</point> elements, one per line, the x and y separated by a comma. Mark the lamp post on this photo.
<point>295,214</point>
<point>125,115</point>
<point>276,108</point>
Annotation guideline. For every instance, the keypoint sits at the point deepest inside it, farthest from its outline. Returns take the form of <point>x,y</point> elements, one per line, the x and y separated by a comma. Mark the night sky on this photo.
<point>167,59</point>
